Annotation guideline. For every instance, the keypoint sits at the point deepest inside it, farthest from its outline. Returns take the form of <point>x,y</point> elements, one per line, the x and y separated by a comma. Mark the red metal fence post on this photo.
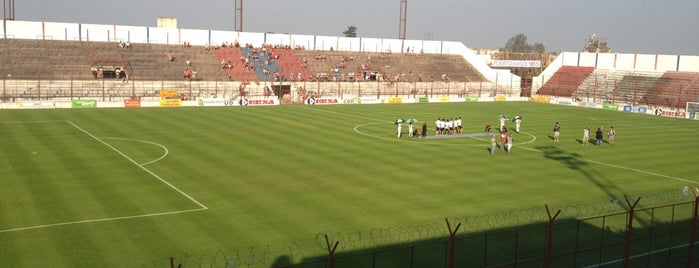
<point>693,231</point>
<point>452,235</point>
<point>629,230</point>
<point>549,235</point>
<point>331,252</point>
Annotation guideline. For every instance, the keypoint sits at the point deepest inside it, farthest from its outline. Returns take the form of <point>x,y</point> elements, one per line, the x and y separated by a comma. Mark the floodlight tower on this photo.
<point>8,9</point>
<point>403,20</point>
<point>238,15</point>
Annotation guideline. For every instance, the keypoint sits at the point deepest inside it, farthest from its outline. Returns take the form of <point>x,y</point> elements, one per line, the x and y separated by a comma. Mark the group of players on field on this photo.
<point>448,126</point>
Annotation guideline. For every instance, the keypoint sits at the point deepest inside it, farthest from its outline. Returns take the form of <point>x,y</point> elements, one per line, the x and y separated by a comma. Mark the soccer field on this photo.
<point>133,187</point>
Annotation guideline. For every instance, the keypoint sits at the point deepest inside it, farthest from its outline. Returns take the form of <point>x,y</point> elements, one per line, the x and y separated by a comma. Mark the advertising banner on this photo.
<point>517,63</point>
<point>610,106</point>
<point>37,104</point>
<point>168,93</point>
<point>132,103</point>
<point>471,98</point>
<point>635,109</point>
<point>540,99</point>
<point>395,100</point>
<point>368,100</point>
<point>257,102</point>
<point>170,103</point>
<point>423,100</point>
<point>314,101</point>
<point>83,104</point>
<point>208,102</point>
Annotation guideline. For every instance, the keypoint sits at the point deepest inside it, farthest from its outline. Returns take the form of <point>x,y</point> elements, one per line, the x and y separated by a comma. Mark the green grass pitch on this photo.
<point>132,187</point>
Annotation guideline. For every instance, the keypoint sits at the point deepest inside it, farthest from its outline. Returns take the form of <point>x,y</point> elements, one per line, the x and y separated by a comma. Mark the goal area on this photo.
<point>693,110</point>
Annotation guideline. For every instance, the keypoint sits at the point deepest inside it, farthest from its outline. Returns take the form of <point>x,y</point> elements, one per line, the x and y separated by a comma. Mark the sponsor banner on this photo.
<point>211,102</point>
<point>443,98</point>
<point>395,100</point>
<point>500,98</point>
<point>10,105</point>
<point>368,100</point>
<point>517,63</point>
<point>678,114</point>
<point>132,103</point>
<point>37,105</point>
<point>170,103</point>
<point>314,101</point>
<point>83,104</point>
<point>564,102</point>
<point>168,93</point>
<point>350,101</point>
<point>423,100</point>
<point>540,99</point>
<point>257,102</point>
<point>471,98</point>
<point>635,109</point>
<point>610,106</point>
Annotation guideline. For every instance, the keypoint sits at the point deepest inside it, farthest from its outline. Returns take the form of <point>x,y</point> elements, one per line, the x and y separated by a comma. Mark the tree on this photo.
<point>538,48</point>
<point>350,32</point>
<point>518,43</point>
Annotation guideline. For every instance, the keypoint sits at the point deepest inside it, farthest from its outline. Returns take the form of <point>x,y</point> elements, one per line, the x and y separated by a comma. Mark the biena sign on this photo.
<point>314,101</point>
<point>257,102</point>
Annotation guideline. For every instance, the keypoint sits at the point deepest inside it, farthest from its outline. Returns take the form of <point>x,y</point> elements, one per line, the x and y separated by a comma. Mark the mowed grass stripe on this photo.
<point>276,175</point>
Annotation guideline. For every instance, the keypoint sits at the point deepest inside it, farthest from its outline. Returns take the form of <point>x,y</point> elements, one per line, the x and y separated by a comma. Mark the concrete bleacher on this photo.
<point>66,60</point>
<point>652,88</point>
<point>49,59</point>
<point>565,81</point>
<point>410,67</point>
<point>674,88</point>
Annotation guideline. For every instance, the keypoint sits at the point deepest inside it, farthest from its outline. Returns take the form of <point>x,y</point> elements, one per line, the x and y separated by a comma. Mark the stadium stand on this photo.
<point>49,59</point>
<point>652,88</point>
<point>565,81</point>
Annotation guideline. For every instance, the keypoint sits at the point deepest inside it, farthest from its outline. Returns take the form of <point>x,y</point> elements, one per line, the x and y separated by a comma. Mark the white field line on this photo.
<point>358,131</point>
<point>99,220</point>
<point>139,165</point>
<point>29,122</point>
<point>202,207</point>
<point>166,151</point>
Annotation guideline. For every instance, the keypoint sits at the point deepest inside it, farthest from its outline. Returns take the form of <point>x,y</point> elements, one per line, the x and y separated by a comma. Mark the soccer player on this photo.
<point>399,122</point>
<point>437,127</point>
<point>586,136</point>
<point>503,140</point>
<point>518,122</point>
<point>510,139</point>
<point>611,134</point>
<point>556,132</point>
<point>493,144</point>
<point>459,127</point>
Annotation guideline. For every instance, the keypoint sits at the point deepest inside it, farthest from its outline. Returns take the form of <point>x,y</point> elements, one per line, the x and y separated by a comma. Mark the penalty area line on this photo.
<point>139,165</point>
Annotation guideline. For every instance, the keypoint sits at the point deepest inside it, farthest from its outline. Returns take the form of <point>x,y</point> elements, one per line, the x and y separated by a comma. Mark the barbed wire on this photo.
<point>272,255</point>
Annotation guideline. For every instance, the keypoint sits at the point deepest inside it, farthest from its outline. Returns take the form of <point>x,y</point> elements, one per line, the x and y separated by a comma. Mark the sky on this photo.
<point>639,26</point>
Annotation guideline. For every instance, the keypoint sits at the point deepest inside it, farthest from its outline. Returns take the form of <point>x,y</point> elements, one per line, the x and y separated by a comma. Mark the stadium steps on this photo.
<point>565,81</point>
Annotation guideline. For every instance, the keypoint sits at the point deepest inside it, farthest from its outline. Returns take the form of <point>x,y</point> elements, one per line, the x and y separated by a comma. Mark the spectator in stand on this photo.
<point>170,58</point>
